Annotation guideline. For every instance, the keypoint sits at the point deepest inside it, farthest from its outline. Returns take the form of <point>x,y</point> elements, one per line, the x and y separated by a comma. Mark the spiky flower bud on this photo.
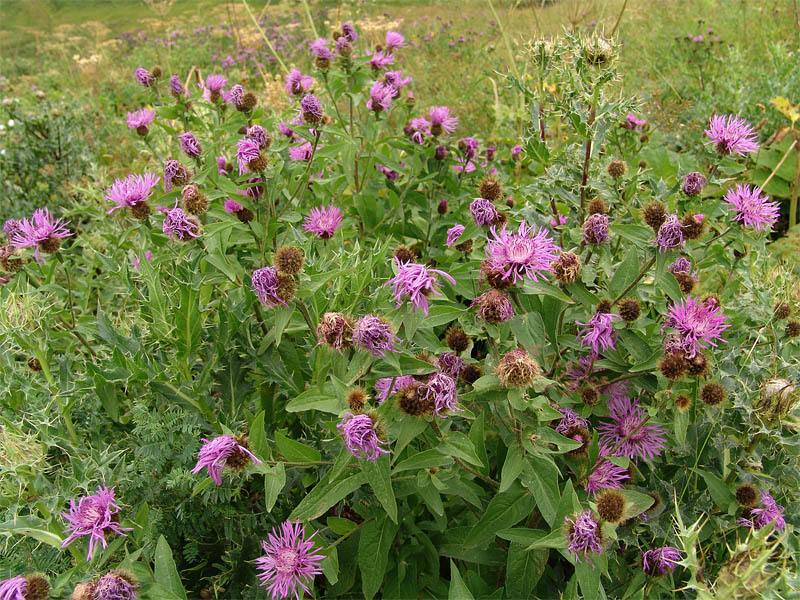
<point>456,339</point>
<point>289,259</point>
<point>673,366</point>
<point>616,168</point>
<point>782,310</point>
<point>611,505</point>
<point>693,226</point>
<point>413,400</point>
<point>490,188</point>
<point>589,395</point>
<point>193,201</point>
<point>597,206</point>
<point>685,281</point>
<point>287,287</point>
<point>249,101</point>
<point>655,214</point>
<point>404,254</point>
<point>747,495</point>
<point>630,309</point>
<point>683,402</point>
<point>604,306</point>
<point>792,329</point>
<point>357,398</point>
<point>471,373</point>
<point>38,587</point>
<point>713,393</point>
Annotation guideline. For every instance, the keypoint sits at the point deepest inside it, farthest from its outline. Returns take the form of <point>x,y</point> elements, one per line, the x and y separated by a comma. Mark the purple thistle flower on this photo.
<point>599,332</point>
<point>320,48</point>
<point>680,265</point>
<point>583,536</point>
<point>595,229</point>
<point>569,419</point>
<point>323,221</point>
<point>135,259</point>
<point>453,234</point>
<point>212,87</point>
<point>374,334</point>
<point>634,123</point>
<point>693,183</point>
<point>394,40</point>
<point>298,84</point>
<point>752,209</point>
<point>115,586</point>
<point>291,561</point>
<point>416,282</point>
<point>606,475</point>
<point>441,388</point>
<point>349,32</point>
<point>42,231</point>
<point>382,386</point>
<point>176,86</point>
<point>222,164</point>
<point>265,285</point>
<point>670,234</point>
<point>390,174</point>
<point>140,120</point>
<point>697,323</point>
<point>311,109</point>
<point>174,173</point>
<point>493,306</point>
<point>258,135</point>
<point>483,211</point>
<point>246,151</point>
<point>93,516</point>
<point>380,97</point>
<point>558,221</point>
<point>177,224</point>
<point>253,192</point>
<point>523,254</point>
<point>469,146</point>
<point>441,121</point>
<point>343,47</point>
<point>450,364</point>
<point>516,152</point>
<point>770,512</point>
<point>133,190</point>
<point>360,436</point>
<point>231,206</point>
<point>301,152</point>
<point>395,80</point>
<point>11,226</point>
<point>190,145</point>
<point>234,95</point>
<point>657,561</point>
<point>380,60</point>
<point>15,588</point>
<point>217,454</point>
<point>626,430</point>
<point>144,77</point>
<point>731,134</point>
<point>417,129</point>
<point>286,131</point>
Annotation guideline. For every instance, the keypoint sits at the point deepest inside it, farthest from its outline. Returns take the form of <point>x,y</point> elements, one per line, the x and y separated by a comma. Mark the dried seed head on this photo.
<point>456,339</point>
<point>685,281</point>
<point>792,329</point>
<point>258,164</point>
<point>413,402</point>
<point>470,374</point>
<point>404,254</point>
<point>782,310</point>
<point>693,228</point>
<point>683,402</point>
<point>616,168</point>
<point>9,260</point>
<point>597,206</point>
<point>590,396</point>
<point>517,369</point>
<point>630,309</point>
<point>673,366</point>
<point>289,259</point>
<point>357,398</point>
<point>604,306</point>
<point>611,506</point>
<point>778,397</point>
<point>713,393</point>
<point>698,365</point>
<point>655,214</point>
<point>490,188</point>
<point>566,267</point>
<point>83,591</point>
<point>747,495</point>
<point>193,201</point>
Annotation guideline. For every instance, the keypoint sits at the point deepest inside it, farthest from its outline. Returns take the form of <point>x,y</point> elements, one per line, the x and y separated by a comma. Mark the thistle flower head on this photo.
<point>130,191</point>
<point>176,87</point>
<point>387,386</point>
<point>212,87</point>
<point>483,211</point>
<point>175,174</point>
<point>416,282</point>
<point>730,135</point>
<point>42,231</point>
<point>220,453</point>
<point>380,60</point>
<point>335,330</point>
<point>143,77</point>
<point>752,209</point>
<point>311,109</point>
<point>453,234</point>
<point>440,389</point>
<point>349,32</point>
<point>524,254</point>
<point>598,334</point>
<point>494,306</point>
<point>670,234</point>
<point>14,588</point>
<point>189,144</point>
<point>298,84</point>
<point>115,585</point>
<point>606,475</point>
<point>323,221</point>
<point>441,121</point>
<point>380,97</point>
<point>361,437</point>
<point>569,419</point>
<point>517,369</point>
<point>320,48</point>
<point>139,120</point>
<point>693,183</point>
<point>696,323</point>
<point>265,283</point>
<point>394,40</point>
<point>93,516</point>
<point>290,563</point>
<point>634,123</point>
<point>768,513</point>
<point>247,150</point>
<point>627,433</point>
<point>657,561</point>
<point>583,535</point>
<point>375,335</point>
<point>259,135</point>
<point>178,225</point>
<point>450,364</point>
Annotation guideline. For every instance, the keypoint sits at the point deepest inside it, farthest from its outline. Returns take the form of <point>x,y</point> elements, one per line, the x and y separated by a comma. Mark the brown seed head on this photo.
<point>289,259</point>
<point>490,188</point>
<point>611,506</point>
<point>616,168</point>
<point>357,398</point>
<point>654,214</point>
<point>597,206</point>
<point>782,310</point>
<point>673,366</point>
<point>566,267</point>
<point>456,339</point>
<point>747,495</point>
<point>630,309</point>
<point>713,393</point>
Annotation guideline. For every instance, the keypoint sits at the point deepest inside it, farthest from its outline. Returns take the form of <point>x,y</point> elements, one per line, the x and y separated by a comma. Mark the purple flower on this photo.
<point>390,174</point>
<point>626,430</point>
<point>301,152</point>
<point>286,130</point>
<point>374,334</point>
<point>770,512</point>
<point>291,561</point>
<point>516,152</point>
<point>174,174</point>
<point>231,206</point>
<point>697,323</point>
<point>680,265</point>
<point>441,121</point>
<point>451,364</point>
<point>360,436</point>
<point>190,145</point>
<point>234,95</point>
<point>135,259</point>
<point>212,87</point>
<point>523,254</point>
<point>246,151</point>
<point>595,229</point>
<point>140,120</point>
<point>382,386</point>
<point>380,97</point>
<point>394,40</point>
<point>752,209</point>
<point>178,225</point>
<point>320,49</point>
<point>323,221</point>
<point>144,77</point>
<point>569,419</point>
<point>670,234</point>
<point>176,87</point>
<point>469,146</point>
<point>599,332</point>
<point>258,135</point>
<point>583,535</point>
<point>311,109</point>
<point>42,231</point>
<point>349,32</point>
<point>396,81</point>
<point>731,134</point>
<point>441,388</point>
<point>657,561</point>
<point>114,585</point>
<point>606,475</point>
<point>380,60</point>
<point>483,211</point>
<point>693,183</point>
<point>634,123</point>
<point>493,306</point>
<point>133,190</point>
<point>93,516</point>
<point>343,47</point>
<point>453,234</point>
<point>219,453</point>
<point>265,285</point>
<point>11,226</point>
<point>298,84</point>
<point>559,221</point>
<point>416,282</point>
<point>222,164</point>
<point>15,588</point>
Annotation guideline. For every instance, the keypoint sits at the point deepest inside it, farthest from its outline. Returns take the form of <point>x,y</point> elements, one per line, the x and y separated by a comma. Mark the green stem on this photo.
<point>349,533</point>
<point>641,274</point>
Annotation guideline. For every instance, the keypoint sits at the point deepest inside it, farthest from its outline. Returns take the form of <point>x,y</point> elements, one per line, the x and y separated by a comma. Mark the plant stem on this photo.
<point>351,532</point>
<point>304,311</point>
<point>260,317</point>
<point>641,274</point>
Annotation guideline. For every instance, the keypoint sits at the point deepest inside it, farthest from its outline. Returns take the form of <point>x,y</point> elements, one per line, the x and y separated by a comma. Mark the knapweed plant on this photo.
<point>351,350</point>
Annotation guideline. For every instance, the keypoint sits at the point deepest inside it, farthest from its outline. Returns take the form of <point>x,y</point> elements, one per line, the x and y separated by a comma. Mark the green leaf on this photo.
<point>637,503</point>
<point>340,526</point>
<point>512,467</point>
<point>324,495</point>
<point>316,399</point>
<point>504,510</point>
<point>720,493</point>
<point>187,316</point>
<point>330,565</point>
<point>295,451</point>
<point>377,472</point>
<point>524,569</point>
<point>258,438</point>
<point>440,314</point>
<point>542,288</point>
<point>375,541</point>
<point>458,444</point>
<point>528,329</point>
<point>625,274</point>
<point>458,589</point>
<point>166,575</point>
<point>545,487</point>
<point>32,527</point>
<point>422,460</point>
<point>274,480</point>
<point>589,579</point>
<point>681,426</point>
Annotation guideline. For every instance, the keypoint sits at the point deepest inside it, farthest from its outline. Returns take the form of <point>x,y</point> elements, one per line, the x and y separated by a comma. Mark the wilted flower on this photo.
<point>752,209</point>
<point>583,535</point>
<point>522,254</point>
<point>416,281</point>
<point>450,364</point>
<point>178,225</point>
<point>323,221</point>
<point>453,234</point>
<point>234,95</point>
<point>130,191</point>
<point>493,306</point>
<point>336,330</point>
<point>599,332</point>
<point>693,183</point>
<point>595,229</point>
<point>731,134</point>
<point>176,87</point>
<point>517,369</point>
<point>220,453</point>
<point>697,323</point>
<point>361,437</point>
<point>291,561</point>
<point>670,234</point>
<point>441,390</point>
<point>43,231</point>
<point>568,420</point>
<point>265,284</point>
<point>140,120</point>
<point>115,585</point>
<point>483,211</point>
<point>627,433</point>
<point>680,265</point>
<point>657,561</point>
<point>190,145</point>
<point>374,334</point>
<point>93,516</point>
<point>298,84</point>
<point>174,174</point>
<point>566,267</point>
